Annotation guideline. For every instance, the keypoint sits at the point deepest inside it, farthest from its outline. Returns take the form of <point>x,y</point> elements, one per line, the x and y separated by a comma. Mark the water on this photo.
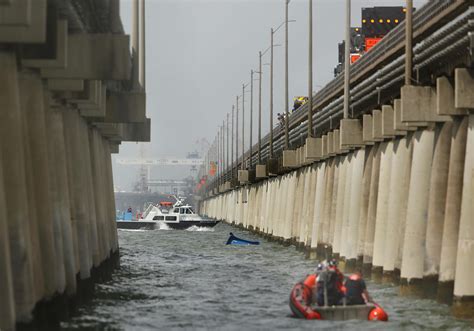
<point>191,280</point>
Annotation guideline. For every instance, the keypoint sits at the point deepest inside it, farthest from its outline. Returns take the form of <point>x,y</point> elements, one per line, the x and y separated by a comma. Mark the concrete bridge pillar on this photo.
<point>463,285</point>
<point>77,188</point>
<point>91,200</point>
<point>368,157</point>
<point>318,206</point>
<point>449,242</point>
<point>7,309</point>
<point>330,179</point>
<point>110,189</point>
<point>417,209</point>
<point>14,180</point>
<point>383,202</point>
<point>354,208</point>
<point>345,221</point>
<point>372,209</point>
<point>437,200</point>
<point>60,194</point>
<point>399,183</point>
<point>334,206</point>
<point>336,244</point>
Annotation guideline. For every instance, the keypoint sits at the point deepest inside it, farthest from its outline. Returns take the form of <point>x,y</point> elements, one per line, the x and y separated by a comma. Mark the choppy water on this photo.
<point>191,280</point>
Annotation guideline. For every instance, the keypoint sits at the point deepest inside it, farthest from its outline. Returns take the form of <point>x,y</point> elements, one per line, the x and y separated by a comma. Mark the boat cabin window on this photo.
<point>188,211</point>
<point>171,218</point>
<point>158,218</point>
<point>176,210</point>
<point>182,210</point>
<point>191,210</point>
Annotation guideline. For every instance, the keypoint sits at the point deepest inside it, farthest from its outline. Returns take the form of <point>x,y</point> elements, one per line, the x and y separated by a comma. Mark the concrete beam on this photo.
<point>95,56</point>
<point>33,32</point>
<point>125,107</point>
<point>261,171</point>
<point>367,129</point>
<point>330,144</point>
<point>289,159</point>
<point>243,176</point>
<point>325,147</point>
<point>137,131</point>
<point>445,104</point>
<point>16,13</point>
<point>312,149</point>
<point>97,110</point>
<point>388,124</point>
<point>63,85</point>
<point>419,106</point>
<point>400,127</point>
<point>114,147</point>
<point>60,58</point>
<point>351,133</point>
<point>377,125</point>
<point>463,88</point>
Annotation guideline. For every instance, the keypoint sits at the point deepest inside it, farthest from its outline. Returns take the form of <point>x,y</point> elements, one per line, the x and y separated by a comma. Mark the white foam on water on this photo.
<point>162,226</point>
<point>196,228</point>
<point>133,230</point>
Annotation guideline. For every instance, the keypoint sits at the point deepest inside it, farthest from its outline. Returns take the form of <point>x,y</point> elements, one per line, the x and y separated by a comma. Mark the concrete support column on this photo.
<point>437,200</point>
<point>319,206</point>
<point>13,164</point>
<point>290,203</point>
<point>7,308</point>
<point>383,201</point>
<point>91,197</point>
<point>463,284</point>
<point>399,183</point>
<point>330,180</point>
<point>354,209</point>
<point>32,107</point>
<point>346,205</point>
<point>110,190</point>
<point>364,203</point>
<point>336,244</point>
<point>334,206</point>
<point>417,209</point>
<point>372,209</point>
<point>449,242</point>
<point>77,188</point>
<point>60,194</point>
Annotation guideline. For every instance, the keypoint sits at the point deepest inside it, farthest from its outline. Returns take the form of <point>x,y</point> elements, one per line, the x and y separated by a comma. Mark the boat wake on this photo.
<point>196,228</point>
<point>162,226</point>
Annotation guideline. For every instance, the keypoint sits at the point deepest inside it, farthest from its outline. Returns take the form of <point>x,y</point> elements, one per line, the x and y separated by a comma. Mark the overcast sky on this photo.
<point>200,52</point>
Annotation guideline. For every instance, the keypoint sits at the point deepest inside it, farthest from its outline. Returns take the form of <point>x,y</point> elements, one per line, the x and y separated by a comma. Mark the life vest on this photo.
<point>301,298</point>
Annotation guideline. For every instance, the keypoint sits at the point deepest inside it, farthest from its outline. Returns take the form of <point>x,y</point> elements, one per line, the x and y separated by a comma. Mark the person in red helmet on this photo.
<point>356,290</point>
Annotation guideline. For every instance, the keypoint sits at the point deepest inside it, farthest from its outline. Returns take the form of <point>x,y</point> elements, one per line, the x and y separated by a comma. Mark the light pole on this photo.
<point>243,125</point>
<point>287,111</point>
<point>237,133</point>
<point>408,42</point>
<point>227,145</point>
<point>260,108</point>
<point>251,115</point>
<point>347,59</point>
<point>271,95</point>
<point>232,146</point>
<point>310,71</point>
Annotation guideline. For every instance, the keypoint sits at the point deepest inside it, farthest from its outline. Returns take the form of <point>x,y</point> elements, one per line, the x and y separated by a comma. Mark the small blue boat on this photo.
<point>233,240</point>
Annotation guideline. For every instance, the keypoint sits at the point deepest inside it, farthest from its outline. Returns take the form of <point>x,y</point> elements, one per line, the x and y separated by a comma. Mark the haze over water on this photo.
<point>190,280</point>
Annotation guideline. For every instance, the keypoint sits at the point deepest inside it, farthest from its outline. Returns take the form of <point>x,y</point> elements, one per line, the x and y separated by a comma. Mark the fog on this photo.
<point>199,53</point>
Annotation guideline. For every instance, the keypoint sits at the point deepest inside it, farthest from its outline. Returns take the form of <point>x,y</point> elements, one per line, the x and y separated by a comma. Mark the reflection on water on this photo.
<point>191,280</point>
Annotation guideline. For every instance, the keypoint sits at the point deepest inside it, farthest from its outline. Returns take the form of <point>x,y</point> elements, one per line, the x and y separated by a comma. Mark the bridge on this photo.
<point>377,169</point>
<point>70,92</point>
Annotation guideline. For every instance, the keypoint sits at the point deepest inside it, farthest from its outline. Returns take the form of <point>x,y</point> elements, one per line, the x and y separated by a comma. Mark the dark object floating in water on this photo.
<point>233,240</point>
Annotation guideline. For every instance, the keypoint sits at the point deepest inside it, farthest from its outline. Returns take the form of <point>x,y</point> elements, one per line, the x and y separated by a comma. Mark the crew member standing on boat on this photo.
<point>356,290</point>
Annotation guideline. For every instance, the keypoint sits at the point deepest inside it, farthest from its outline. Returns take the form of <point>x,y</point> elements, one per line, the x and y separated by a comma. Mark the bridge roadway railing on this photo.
<point>441,29</point>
